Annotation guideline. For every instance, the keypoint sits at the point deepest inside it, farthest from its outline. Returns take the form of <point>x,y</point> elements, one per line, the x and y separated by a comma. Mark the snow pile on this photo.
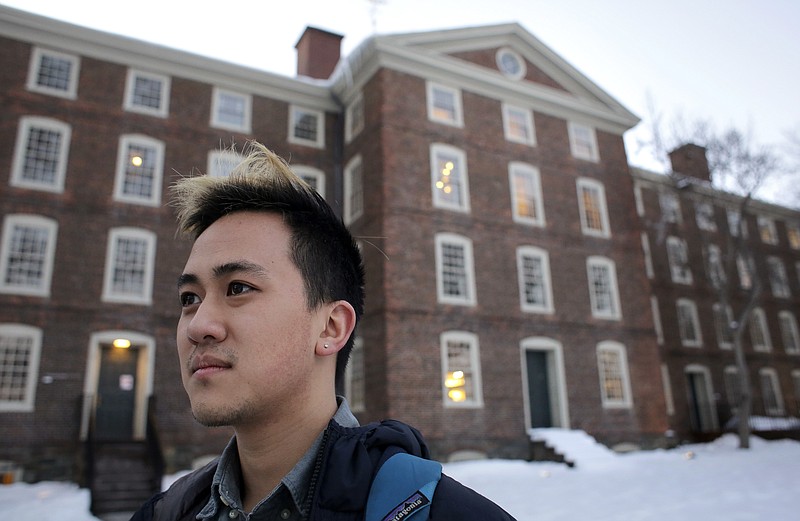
<point>576,446</point>
<point>45,501</point>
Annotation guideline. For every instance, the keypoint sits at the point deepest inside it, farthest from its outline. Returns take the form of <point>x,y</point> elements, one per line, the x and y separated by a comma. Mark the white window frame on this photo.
<point>126,141</point>
<point>34,334</point>
<point>680,270</point>
<point>583,146</point>
<point>470,299</point>
<point>26,125</point>
<point>145,297</point>
<point>354,118</point>
<point>598,193</point>
<point>220,160</point>
<point>471,339</point>
<point>770,386</point>
<point>745,270</point>
<point>313,176</point>
<point>50,226</point>
<point>704,216</point>
<point>766,229</point>
<point>71,91</point>
<point>670,206</point>
<point>529,178</point>
<point>656,311</point>
<point>722,320</point>
<point>439,178</point>
<point>435,113</point>
<point>353,207</point>
<point>524,252</point>
<point>525,118</point>
<point>621,367</point>
<point>714,266</point>
<point>516,69</point>
<point>735,222</point>
<point>694,322</point>
<point>790,335</point>
<point>607,264</point>
<point>759,319</point>
<point>648,256</point>
<point>355,374</point>
<point>778,280</point>
<point>164,93</point>
<point>246,100</point>
<point>296,113</point>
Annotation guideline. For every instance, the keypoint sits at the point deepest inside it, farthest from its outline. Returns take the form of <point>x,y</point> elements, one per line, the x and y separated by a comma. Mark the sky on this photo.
<point>734,63</point>
<point>713,482</point>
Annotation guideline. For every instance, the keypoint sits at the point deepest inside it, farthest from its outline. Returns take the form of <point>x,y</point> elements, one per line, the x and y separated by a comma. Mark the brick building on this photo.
<point>485,178</point>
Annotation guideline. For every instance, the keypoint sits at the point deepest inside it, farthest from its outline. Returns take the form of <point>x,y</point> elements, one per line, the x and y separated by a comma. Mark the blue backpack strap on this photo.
<point>403,487</point>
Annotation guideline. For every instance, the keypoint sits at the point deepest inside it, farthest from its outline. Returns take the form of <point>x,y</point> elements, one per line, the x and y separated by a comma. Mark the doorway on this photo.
<point>544,384</point>
<point>702,413</point>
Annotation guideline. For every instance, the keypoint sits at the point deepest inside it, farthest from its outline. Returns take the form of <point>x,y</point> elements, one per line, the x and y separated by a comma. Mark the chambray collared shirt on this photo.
<point>285,503</point>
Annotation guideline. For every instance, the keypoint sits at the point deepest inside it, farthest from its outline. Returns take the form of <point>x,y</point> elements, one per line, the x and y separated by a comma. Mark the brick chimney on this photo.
<point>690,159</point>
<point>318,53</point>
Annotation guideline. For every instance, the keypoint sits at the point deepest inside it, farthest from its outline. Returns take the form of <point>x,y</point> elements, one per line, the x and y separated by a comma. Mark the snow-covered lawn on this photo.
<point>712,482</point>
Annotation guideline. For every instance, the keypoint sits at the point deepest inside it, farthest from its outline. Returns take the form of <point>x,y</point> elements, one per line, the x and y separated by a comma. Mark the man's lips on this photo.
<point>206,364</point>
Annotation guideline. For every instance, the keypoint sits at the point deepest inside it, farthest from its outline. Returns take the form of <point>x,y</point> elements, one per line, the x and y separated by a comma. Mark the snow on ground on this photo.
<point>713,482</point>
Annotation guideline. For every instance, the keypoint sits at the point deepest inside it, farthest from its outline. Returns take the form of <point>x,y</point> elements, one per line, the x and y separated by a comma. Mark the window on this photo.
<point>353,190</point>
<point>733,388</point>
<point>603,293</point>
<point>355,389</point>
<point>20,349</point>
<point>688,324</point>
<point>533,274</point>
<point>638,199</point>
<point>771,392</point>
<point>222,162</point>
<point>736,223</point>
<point>306,127</point>
<point>704,215</point>
<point>654,308</point>
<point>147,93</point>
<point>518,125</point>
<point>461,375</point>
<point>793,235</point>
<point>354,118</point>
<point>648,257</point>
<point>510,63</point>
<point>592,207</point>
<point>129,266</point>
<point>455,275</point>
<point>789,332</point>
<point>723,317</point>
<point>26,254</point>
<point>778,281</point>
<point>140,165</point>
<point>314,177</point>
<point>444,105</point>
<point>759,332</point>
<point>231,110</point>
<point>766,230</point>
<point>678,261</point>
<point>40,155</point>
<point>449,179</point>
<point>612,363</point>
<point>744,268</point>
<point>714,267</point>
<point>53,73</point>
<point>670,207</point>
<point>526,194</point>
<point>583,142</point>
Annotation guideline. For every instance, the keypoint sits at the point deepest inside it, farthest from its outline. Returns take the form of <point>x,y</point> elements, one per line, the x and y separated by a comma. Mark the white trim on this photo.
<point>149,238</point>
<point>352,125</point>
<point>669,400</point>
<point>544,258</point>
<point>458,112</point>
<point>654,308</point>
<point>556,375</point>
<point>648,256</point>
<point>758,315</point>
<point>26,123</point>
<point>247,104</point>
<point>32,377</point>
<point>470,299</point>
<point>626,402</point>
<point>71,92</point>
<point>461,175</point>
<point>353,179</point>
<point>50,226</point>
<point>576,147</point>
<point>789,330</point>
<point>608,264</point>
<point>164,93</point>
<point>123,157</point>
<point>679,268</point>
<point>476,401</point>
<point>691,307</point>
<point>296,112</point>
<point>514,55</point>
<point>530,173</point>
<point>527,116</point>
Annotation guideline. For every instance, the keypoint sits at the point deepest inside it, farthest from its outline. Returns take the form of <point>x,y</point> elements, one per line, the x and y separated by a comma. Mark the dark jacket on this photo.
<point>346,464</point>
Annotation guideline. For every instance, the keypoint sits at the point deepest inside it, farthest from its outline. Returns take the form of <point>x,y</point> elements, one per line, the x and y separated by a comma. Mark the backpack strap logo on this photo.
<point>403,487</point>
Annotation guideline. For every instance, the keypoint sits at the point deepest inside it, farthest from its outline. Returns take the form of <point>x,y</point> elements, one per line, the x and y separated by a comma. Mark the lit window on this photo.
<point>759,331</point>
<point>449,178</point>
<point>603,292</point>
<point>20,350</point>
<point>140,165</point>
<point>704,215</point>
<point>129,266</point>
<point>526,194</point>
<point>461,378</point>
<point>147,93</point>
<point>230,110</point>
<point>455,275</point>
<point>53,73</point>
<point>688,323</point>
<point>533,273</point>
<point>583,142</point>
<point>612,364</point>
<point>722,322</point>
<point>670,207</point>
<point>222,162</point>
<point>444,105</point>
<point>355,384</point>
<point>789,332</point>
<point>306,127</point>
<point>354,118</point>
<point>714,266</point>
<point>353,190</point>
<point>592,207</point>
<point>26,254</point>
<point>778,281</point>
<point>518,125</point>
<point>314,177</point>
<point>793,235</point>
<point>40,155</point>
<point>771,392</point>
<point>766,230</point>
<point>678,261</point>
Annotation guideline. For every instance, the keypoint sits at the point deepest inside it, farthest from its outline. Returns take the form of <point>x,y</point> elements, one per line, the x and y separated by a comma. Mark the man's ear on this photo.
<point>340,324</point>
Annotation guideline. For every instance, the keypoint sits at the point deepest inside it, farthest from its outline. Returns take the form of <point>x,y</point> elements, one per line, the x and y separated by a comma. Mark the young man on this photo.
<point>270,297</point>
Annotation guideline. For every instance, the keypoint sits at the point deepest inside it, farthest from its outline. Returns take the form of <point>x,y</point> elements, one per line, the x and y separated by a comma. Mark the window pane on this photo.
<point>15,367</point>
<point>454,271</point>
<point>147,92</point>
<point>231,109</point>
<point>449,179</point>
<point>130,266</point>
<point>459,380</point>
<point>140,171</point>
<point>526,194</point>
<point>611,375</point>
<point>305,126</point>
<point>601,287</point>
<point>27,256</point>
<point>42,154</point>
<point>54,73</point>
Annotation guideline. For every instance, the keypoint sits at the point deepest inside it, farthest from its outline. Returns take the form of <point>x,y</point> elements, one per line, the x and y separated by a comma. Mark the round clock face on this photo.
<point>510,63</point>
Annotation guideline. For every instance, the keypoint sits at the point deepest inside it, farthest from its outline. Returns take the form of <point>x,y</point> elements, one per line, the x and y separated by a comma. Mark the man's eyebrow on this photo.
<point>186,278</point>
<point>223,270</point>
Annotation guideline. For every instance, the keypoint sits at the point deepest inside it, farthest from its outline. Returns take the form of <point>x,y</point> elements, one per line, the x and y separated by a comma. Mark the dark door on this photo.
<point>116,394</point>
<point>699,402</point>
<point>538,389</point>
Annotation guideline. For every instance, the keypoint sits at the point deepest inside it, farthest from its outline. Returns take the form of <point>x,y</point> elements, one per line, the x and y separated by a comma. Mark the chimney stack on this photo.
<point>690,159</point>
<point>318,52</point>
